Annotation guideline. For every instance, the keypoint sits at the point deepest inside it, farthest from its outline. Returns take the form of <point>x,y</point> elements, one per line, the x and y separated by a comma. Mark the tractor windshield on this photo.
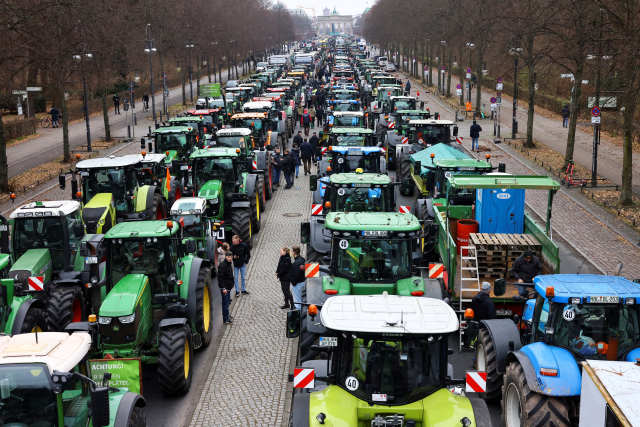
<point>213,169</point>
<point>369,163</point>
<point>347,120</point>
<point>430,134</point>
<point>355,140</point>
<point>32,233</point>
<point>27,396</point>
<point>592,326</point>
<point>344,96</point>
<point>192,225</point>
<point>386,94</point>
<point>230,141</point>
<point>358,199</point>
<point>140,256</point>
<point>373,260</point>
<point>172,142</point>
<point>404,104</point>
<point>116,181</point>
<point>387,370</point>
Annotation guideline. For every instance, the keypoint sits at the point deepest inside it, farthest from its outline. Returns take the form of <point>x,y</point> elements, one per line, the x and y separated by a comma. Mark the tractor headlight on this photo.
<point>127,319</point>
<point>213,201</point>
<point>104,320</point>
<point>55,378</point>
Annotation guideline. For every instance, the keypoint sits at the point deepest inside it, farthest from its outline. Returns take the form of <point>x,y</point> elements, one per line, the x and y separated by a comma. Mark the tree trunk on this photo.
<point>184,88</point>
<point>209,68</point>
<point>430,66</point>
<point>575,110</point>
<point>220,71</point>
<point>105,115</point>
<point>449,66</point>
<point>198,77</point>
<point>438,66</point>
<point>4,166</point>
<point>627,150</point>
<point>479,79</point>
<point>65,123</point>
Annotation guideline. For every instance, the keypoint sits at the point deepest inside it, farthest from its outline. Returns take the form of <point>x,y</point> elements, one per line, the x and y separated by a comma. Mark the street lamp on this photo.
<point>471,47</point>
<point>80,58</point>
<point>189,46</point>
<point>443,43</point>
<point>515,51</point>
<point>150,48</point>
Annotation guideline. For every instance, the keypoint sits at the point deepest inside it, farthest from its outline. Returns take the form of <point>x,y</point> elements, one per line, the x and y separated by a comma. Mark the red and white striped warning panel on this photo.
<point>404,209</point>
<point>405,139</point>
<point>476,382</point>
<point>316,209</point>
<point>436,271</point>
<point>392,125</point>
<point>36,283</point>
<point>324,150</point>
<point>255,164</point>
<point>383,151</point>
<point>303,378</point>
<point>459,139</point>
<point>312,270</point>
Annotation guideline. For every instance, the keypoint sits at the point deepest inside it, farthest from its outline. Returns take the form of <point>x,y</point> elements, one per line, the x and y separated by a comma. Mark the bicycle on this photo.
<point>45,122</point>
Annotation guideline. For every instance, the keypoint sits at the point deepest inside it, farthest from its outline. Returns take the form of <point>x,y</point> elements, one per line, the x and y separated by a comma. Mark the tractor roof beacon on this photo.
<point>389,365</point>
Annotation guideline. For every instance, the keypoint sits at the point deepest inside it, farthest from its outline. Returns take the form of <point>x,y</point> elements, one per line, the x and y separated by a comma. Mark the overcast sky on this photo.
<point>348,7</point>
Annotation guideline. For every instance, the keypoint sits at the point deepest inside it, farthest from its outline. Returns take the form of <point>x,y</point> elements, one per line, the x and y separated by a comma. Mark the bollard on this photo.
<point>129,132</point>
<point>161,116</point>
<point>456,116</point>
<point>494,129</point>
<point>135,120</point>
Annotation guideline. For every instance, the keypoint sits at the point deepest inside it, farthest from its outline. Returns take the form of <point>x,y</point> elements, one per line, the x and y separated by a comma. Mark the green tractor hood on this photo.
<point>125,296</point>
<point>173,154</point>
<point>410,286</point>
<point>210,190</point>
<point>32,263</point>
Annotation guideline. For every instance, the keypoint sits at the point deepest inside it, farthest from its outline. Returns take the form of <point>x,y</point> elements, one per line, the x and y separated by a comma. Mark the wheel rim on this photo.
<point>512,406</point>
<point>481,361</point>
<point>206,306</point>
<point>250,229</point>
<point>36,328</point>
<point>76,311</point>
<point>187,358</point>
<point>258,206</point>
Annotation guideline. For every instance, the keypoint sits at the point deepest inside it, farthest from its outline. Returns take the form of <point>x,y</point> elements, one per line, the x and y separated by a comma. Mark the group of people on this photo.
<point>289,162</point>
<point>232,272</point>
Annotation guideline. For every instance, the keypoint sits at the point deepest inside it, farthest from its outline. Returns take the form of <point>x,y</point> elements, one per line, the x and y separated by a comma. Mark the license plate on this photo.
<point>84,173</point>
<point>501,312</point>
<point>184,168</point>
<point>466,168</point>
<point>355,152</point>
<point>329,341</point>
<point>375,233</point>
<point>91,260</point>
<point>3,228</point>
<point>360,184</point>
<point>605,299</point>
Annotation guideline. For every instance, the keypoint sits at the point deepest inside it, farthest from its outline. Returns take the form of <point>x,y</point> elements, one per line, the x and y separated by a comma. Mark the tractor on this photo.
<point>157,300</point>
<point>265,131</point>
<point>196,123</point>
<point>346,119</point>
<point>397,131</point>
<point>176,142</point>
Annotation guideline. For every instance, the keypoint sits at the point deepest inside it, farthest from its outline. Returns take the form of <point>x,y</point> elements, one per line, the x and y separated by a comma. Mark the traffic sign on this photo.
<point>33,89</point>
<point>493,100</point>
<point>499,79</point>
<point>499,86</point>
<point>595,120</point>
<point>458,86</point>
<point>19,92</point>
<point>304,378</point>
<point>595,111</point>
<point>468,70</point>
<point>476,382</point>
<point>459,92</point>
<point>499,100</point>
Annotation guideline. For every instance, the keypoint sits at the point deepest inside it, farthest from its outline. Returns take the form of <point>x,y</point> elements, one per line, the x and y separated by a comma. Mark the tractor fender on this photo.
<point>502,332</point>
<point>317,237</point>
<point>21,312</point>
<point>196,265</point>
<point>172,321</point>
<point>315,295</point>
<point>480,412</point>
<point>540,355</point>
<point>148,201</point>
<point>250,185</point>
<point>261,160</point>
<point>300,412</point>
<point>236,205</point>
<point>125,408</point>
<point>317,195</point>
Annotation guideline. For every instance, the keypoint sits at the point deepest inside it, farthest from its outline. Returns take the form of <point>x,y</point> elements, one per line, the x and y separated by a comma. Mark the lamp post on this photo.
<point>515,51</point>
<point>443,43</point>
<point>81,58</point>
<point>150,48</point>
<point>470,46</point>
<point>189,46</point>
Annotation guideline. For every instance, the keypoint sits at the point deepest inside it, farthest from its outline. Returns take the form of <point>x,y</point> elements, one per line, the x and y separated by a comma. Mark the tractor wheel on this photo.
<point>314,256</point>
<point>204,309</point>
<point>487,361</point>
<point>175,359</point>
<point>526,408</point>
<point>255,210</point>
<point>159,209</point>
<point>137,418</point>
<point>262,193</point>
<point>66,305</point>
<point>176,191</point>
<point>34,320</point>
<point>269,185</point>
<point>241,225</point>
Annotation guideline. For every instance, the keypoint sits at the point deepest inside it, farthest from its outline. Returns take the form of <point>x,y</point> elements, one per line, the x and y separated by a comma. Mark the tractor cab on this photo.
<point>400,103</point>
<point>255,88</point>
<point>354,192</point>
<point>381,95</point>
<point>211,118</point>
<point>346,119</point>
<point>191,121</point>
<point>424,133</point>
<point>401,119</point>
<point>343,95</point>
<point>176,142</point>
<point>260,126</point>
<point>243,94</point>
<point>258,107</point>
<point>190,212</point>
<point>343,105</point>
<point>349,159</point>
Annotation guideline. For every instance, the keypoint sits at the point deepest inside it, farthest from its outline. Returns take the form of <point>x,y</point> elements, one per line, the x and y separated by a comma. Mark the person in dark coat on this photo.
<point>474,133</point>
<point>320,114</point>
<point>54,116</point>
<point>305,121</point>
<point>297,275</point>
<point>241,256</point>
<point>277,159</point>
<point>283,273</point>
<point>287,164</point>
<point>483,309</point>
<point>306,152</point>
<point>298,138</point>
<point>116,104</point>
<point>295,151</point>
<point>225,283</point>
<point>408,88</point>
<point>525,268</point>
<point>566,112</point>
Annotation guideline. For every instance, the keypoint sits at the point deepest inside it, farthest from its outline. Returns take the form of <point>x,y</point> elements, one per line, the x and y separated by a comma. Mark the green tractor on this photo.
<point>397,131</point>
<point>51,261</point>
<point>194,122</point>
<point>176,142</point>
<point>220,175</point>
<point>387,365</point>
<point>112,192</point>
<point>153,170</point>
<point>47,380</point>
<point>156,300</point>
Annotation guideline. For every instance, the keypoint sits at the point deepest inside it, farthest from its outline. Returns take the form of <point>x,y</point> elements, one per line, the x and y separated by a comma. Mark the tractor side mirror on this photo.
<point>74,189</point>
<point>499,287</point>
<point>190,246</point>
<point>455,131</point>
<point>313,182</point>
<point>305,232</point>
<point>142,144</point>
<point>280,115</point>
<point>100,406</point>
<point>150,147</point>
<point>62,181</point>
<point>417,167</point>
<point>293,323</point>
<point>78,229</point>
<point>422,105</point>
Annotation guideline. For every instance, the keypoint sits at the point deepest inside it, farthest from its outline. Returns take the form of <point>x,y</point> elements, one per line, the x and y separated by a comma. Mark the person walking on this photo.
<point>283,273</point>
<point>312,113</point>
<point>320,115</point>
<point>295,151</point>
<point>54,116</point>
<point>305,122</point>
<point>225,283</point>
<point>306,152</point>
<point>483,309</point>
<point>408,88</point>
<point>287,160</point>
<point>222,250</point>
<point>277,160</point>
<point>566,112</point>
<point>116,104</point>
<point>473,80</point>
<point>297,275</point>
<point>298,138</point>
<point>299,111</point>
<point>474,133</point>
<point>525,268</point>
<point>241,256</point>
<point>145,101</point>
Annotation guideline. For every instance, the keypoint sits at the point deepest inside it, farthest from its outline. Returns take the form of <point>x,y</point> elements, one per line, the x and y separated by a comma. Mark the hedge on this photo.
<point>17,128</point>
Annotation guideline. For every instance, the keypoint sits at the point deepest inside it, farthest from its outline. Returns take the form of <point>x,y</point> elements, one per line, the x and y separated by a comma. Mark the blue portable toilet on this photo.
<point>500,211</point>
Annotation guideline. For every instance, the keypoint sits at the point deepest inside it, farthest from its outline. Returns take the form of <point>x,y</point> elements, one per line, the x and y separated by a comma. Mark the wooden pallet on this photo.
<point>488,241</point>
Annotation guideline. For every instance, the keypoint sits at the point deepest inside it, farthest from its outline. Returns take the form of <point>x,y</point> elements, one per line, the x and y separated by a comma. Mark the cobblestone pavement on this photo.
<point>247,385</point>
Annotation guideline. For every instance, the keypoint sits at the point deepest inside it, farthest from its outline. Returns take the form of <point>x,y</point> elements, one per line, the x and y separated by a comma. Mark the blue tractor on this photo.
<point>534,365</point>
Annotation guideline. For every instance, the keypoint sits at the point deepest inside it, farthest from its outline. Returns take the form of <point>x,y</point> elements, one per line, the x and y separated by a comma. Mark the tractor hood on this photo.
<point>123,298</point>
<point>404,287</point>
<point>96,210</point>
<point>172,155</point>
<point>32,263</point>
<point>210,190</point>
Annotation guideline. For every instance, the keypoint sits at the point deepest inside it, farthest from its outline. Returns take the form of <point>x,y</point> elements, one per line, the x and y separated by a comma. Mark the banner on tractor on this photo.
<point>124,372</point>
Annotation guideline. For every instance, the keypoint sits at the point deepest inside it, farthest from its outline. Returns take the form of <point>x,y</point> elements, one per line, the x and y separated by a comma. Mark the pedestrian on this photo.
<point>145,101</point>
<point>483,309</point>
<point>312,113</point>
<point>319,115</point>
<point>473,80</point>
<point>298,138</point>
<point>297,275</point>
<point>314,98</point>
<point>306,152</point>
<point>225,283</point>
<point>305,122</point>
<point>222,250</point>
<point>241,256</point>
<point>474,133</point>
<point>525,268</point>
<point>299,111</point>
<point>565,115</point>
<point>287,162</point>
<point>283,273</point>
<point>116,104</point>
<point>408,88</point>
<point>54,116</point>
<point>295,151</point>
<point>276,159</point>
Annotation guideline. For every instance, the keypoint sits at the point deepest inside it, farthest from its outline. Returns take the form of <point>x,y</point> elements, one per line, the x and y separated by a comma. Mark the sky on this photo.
<point>344,7</point>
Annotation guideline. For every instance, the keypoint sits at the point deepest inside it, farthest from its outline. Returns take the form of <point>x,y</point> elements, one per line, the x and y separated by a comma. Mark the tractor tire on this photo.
<point>526,408</point>
<point>137,418</point>
<point>241,225</point>
<point>66,305</point>
<point>262,193</point>
<point>314,256</point>
<point>175,193</point>
<point>204,309</point>
<point>255,211</point>
<point>269,185</point>
<point>159,208</point>
<point>487,361</point>
<point>35,318</point>
<point>175,359</point>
